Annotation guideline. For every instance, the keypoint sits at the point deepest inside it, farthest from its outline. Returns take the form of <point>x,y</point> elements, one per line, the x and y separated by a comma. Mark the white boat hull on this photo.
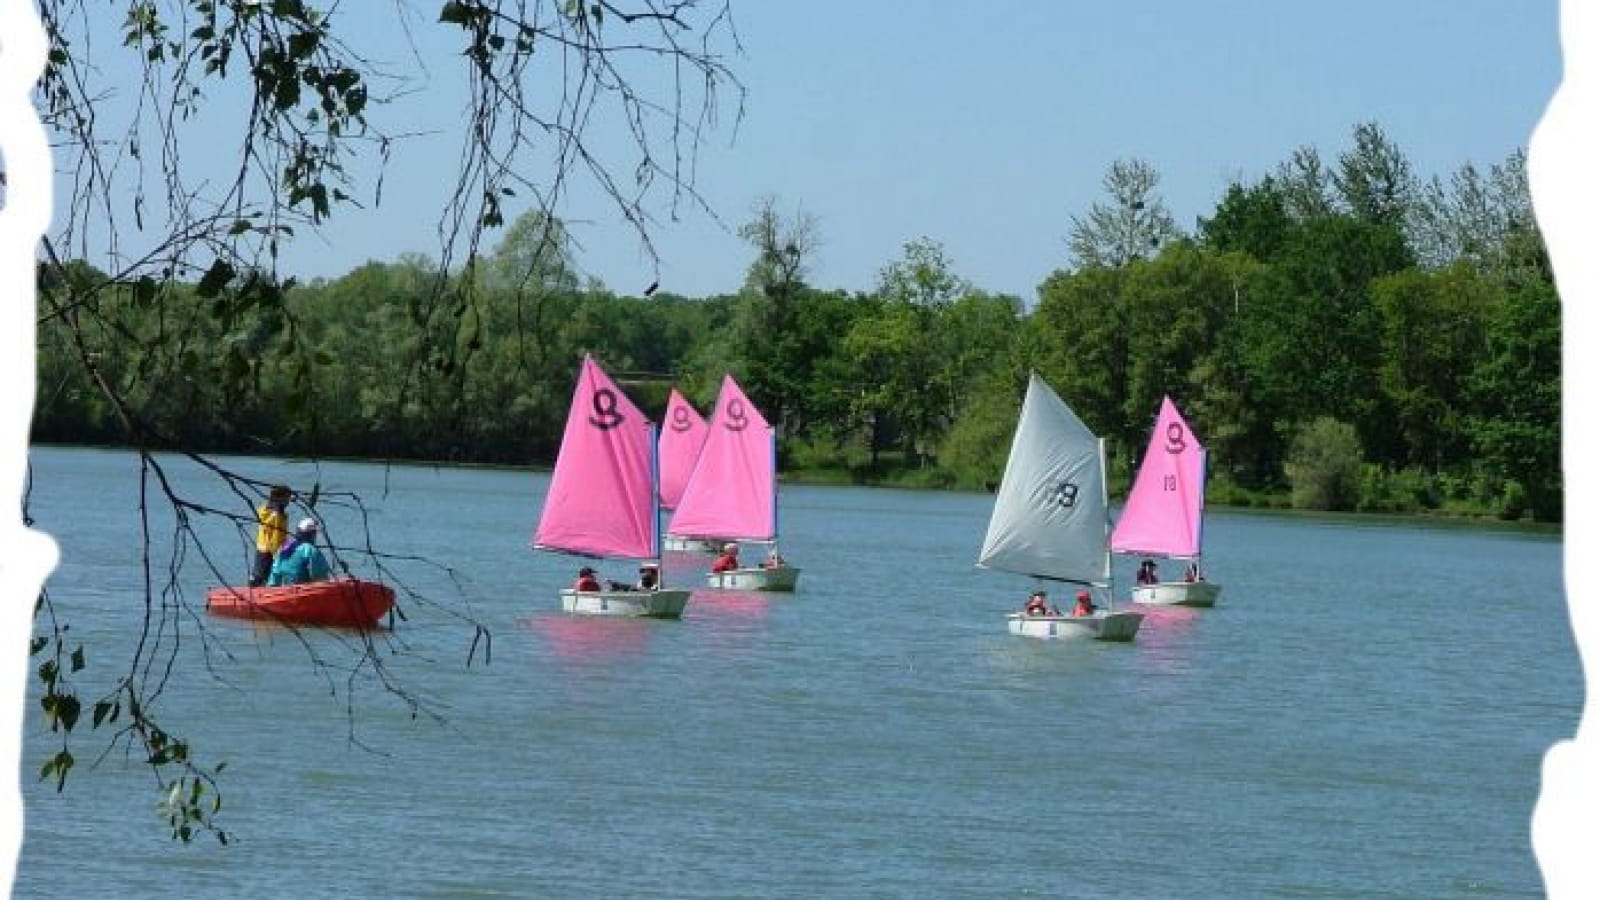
<point>1102,626</point>
<point>777,578</point>
<point>1178,593</point>
<point>664,604</point>
<point>677,544</point>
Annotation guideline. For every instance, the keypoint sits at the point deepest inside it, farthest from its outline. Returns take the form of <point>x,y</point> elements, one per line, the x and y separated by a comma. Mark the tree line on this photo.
<point>1341,335</point>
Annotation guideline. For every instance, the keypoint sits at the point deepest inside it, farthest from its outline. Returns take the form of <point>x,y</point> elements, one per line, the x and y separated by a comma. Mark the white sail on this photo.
<point>1049,516</point>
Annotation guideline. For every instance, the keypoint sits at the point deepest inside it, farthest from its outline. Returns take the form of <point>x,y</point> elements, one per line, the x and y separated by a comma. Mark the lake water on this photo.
<point>1364,714</point>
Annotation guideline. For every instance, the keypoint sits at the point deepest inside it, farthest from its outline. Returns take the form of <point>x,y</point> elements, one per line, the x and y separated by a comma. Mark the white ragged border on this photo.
<point>1562,160</point>
<point>26,556</point>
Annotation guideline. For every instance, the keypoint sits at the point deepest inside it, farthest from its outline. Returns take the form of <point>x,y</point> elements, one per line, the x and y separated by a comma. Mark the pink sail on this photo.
<point>732,492</point>
<point>681,438</point>
<point>1163,513</point>
<point>601,500</point>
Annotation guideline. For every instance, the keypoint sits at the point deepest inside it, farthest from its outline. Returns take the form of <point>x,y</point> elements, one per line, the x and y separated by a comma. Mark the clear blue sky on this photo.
<point>987,126</point>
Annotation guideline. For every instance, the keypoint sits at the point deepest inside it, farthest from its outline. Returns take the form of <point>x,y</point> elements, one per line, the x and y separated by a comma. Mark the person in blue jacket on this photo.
<point>299,560</point>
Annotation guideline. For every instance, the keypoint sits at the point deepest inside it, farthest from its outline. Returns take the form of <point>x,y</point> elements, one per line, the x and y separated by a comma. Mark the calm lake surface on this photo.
<point>1364,714</point>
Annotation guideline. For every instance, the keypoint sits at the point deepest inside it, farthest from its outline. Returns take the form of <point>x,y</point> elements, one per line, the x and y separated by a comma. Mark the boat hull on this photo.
<point>341,602</point>
<point>663,604</point>
<point>1178,593</point>
<point>678,544</point>
<point>1102,626</point>
<point>777,578</point>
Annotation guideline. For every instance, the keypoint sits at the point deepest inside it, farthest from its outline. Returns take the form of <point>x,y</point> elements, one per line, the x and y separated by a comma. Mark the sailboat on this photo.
<point>1165,510</point>
<point>602,500</point>
<point>732,494</point>
<point>1050,517</point>
<point>680,443</point>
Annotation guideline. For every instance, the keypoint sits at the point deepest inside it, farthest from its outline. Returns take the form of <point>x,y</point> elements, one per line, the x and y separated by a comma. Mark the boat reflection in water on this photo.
<point>587,639</point>
<point>750,606</point>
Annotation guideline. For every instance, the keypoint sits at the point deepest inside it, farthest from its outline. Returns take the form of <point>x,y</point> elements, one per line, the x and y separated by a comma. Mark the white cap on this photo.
<point>305,526</point>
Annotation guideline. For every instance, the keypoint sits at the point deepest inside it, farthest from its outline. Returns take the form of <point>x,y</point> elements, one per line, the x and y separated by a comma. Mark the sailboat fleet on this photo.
<point>1051,519</point>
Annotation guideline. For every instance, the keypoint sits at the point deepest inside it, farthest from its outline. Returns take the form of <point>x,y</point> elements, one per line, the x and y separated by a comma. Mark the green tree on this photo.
<point>974,450</point>
<point>1431,328</point>
<point>1306,183</point>
<point>1253,220</point>
<point>1079,337</point>
<point>1516,401</point>
<point>1324,466</point>
<point>778,356</point>
<point>1374,179</point>
<point>978,331</point>
<point>923,276</point>
<point>1313,346</point>
<point>888,354</point>
<point>1133,224</point>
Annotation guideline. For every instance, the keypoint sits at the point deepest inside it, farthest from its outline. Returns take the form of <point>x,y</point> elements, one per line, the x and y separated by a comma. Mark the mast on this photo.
<point>1105,503</point>
<point>655,505</point>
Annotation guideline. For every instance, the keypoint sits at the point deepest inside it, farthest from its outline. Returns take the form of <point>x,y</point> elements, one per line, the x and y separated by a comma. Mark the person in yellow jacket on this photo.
<point>272,528</point>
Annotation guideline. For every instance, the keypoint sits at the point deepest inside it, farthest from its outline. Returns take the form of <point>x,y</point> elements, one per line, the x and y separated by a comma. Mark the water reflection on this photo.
<point>745,606</point>
<point>1166,638</point>
<point>591,639</point>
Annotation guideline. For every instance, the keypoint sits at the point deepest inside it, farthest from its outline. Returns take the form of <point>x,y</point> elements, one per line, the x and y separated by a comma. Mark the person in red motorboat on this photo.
<point>271,533</point>
<point>299,560</point>
<point>586,581</point>
<point>1085,606</point>
<point>728,561</point>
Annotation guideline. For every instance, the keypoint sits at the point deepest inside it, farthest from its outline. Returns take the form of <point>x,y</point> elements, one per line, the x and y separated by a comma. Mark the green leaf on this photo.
<point>215,279</point>
<point>57,766</point>
<point>66,711</point>
<point>77,660</point>
<point>101,710</point>
<point>144,290</point>
<point>455,13</point>
<point>303,44</point>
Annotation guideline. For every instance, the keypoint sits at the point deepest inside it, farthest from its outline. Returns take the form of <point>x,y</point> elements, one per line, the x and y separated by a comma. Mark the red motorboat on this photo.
<point>348,602</point>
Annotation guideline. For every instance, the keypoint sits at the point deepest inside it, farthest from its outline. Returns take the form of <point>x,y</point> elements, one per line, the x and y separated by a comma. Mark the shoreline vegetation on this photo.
<point>1343,336</point>
<point>1223,496</point>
